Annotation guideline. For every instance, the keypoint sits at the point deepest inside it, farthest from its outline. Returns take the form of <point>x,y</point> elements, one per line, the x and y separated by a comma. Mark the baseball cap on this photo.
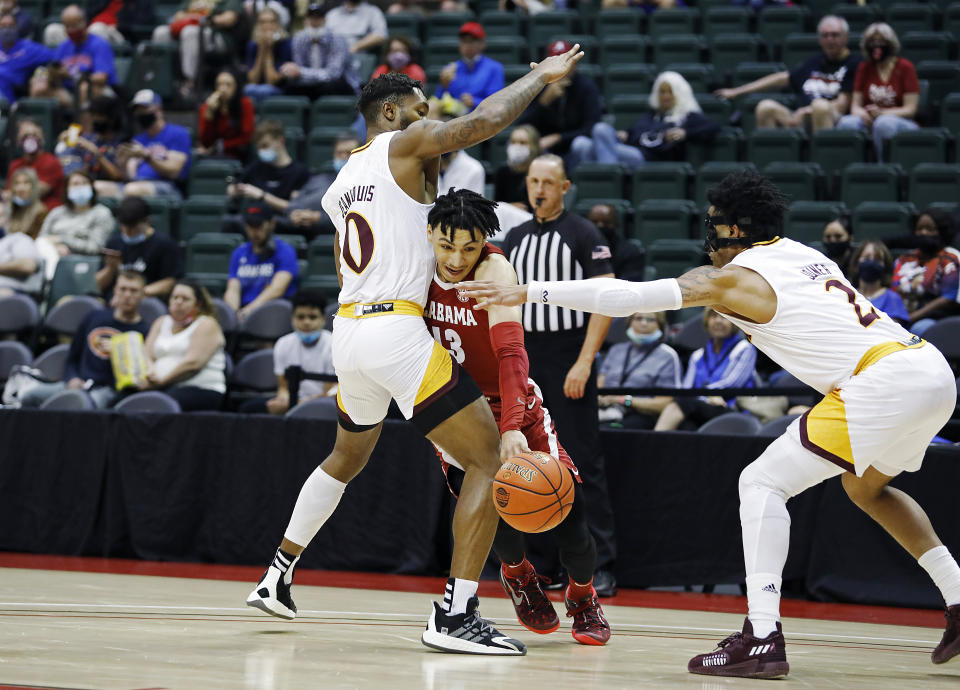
<point>257,214</point>
<point>146,97</point>
<point>473,29</point>
<point>317,9</point>
<point>558,48</point>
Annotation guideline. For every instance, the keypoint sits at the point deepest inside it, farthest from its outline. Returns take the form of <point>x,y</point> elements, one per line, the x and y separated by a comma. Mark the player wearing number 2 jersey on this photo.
<point>382,350</point>
<point>886,394</point>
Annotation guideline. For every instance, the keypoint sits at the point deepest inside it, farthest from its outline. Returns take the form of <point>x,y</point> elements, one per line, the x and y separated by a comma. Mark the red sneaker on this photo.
<point>589,624</point>
<point>534,610</point>
<point>745,656</point>
<point>949,646</point>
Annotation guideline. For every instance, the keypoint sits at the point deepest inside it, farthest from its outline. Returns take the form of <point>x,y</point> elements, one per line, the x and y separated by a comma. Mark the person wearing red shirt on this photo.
<point>226,119</point>
<point>45,164</point>
<point>398,57</point>
<point>489,345</point>
<point>885,90</point>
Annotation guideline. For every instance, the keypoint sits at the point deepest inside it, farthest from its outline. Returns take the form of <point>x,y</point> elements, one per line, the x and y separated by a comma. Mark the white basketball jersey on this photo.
<point>822,326</point>
<point>384,250</point>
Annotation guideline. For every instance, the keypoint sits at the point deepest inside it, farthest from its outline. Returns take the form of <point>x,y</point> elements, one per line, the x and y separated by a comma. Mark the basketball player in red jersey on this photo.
<point>489,345</point>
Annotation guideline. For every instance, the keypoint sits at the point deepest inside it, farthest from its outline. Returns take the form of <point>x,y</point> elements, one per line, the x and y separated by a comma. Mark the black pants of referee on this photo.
<point>551,356</point>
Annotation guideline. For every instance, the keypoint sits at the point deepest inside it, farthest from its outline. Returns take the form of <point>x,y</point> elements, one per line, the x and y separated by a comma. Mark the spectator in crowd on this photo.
<point>47,82</point>
<point>86,59</point>
<point>405,7</point>
<point>838,243</point>
<point>510,179</point>
<point>305,216</point>
<point>871,271</point>
<point>185,350</point>
<point>19,57</point>
<point>226,119</point>
<point>268,49</point>
<point>643,361</point>
<point>24,19</point>
<point>362,23</point>
<point>30,140</point>
<point>94,149</point>
<point>20,265</point>
<point>138,247</point>
<point>283,10</point>
<point>531,7</point>
<point>158,159</point>
<point>399,57</point>
<point>88,364</point>
<point>25,211</point>
<point>466,82</point>
<point>262,269</point>
<point>646,6</point>
<point>459,170</point>
<point>308,347</point>
<point>628,259</point>
<point>726,361</point>
<point>822,84</point>
<point>274,178</point>
<point>80,225</point>
<point>927,278</point>
<point>322,64</point>
<point>215,22</point>
<point>885,90</point>
<point>564,110</point>
<point>115,20</point>
<point>675,117</point>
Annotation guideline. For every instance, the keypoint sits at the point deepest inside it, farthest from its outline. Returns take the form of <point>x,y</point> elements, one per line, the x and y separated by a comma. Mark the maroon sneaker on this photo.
<point>590,626</point>
<point>534,610</point>
<point>949,646</point>
<point>745,656</point>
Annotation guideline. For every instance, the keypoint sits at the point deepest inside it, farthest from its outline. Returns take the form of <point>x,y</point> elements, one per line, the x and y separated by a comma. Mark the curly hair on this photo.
<point>462,209</point>
<point>387,88</point>
<point>752,201</point>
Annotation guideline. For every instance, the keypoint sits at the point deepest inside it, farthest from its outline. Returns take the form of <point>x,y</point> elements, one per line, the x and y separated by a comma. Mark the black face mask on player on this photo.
<point>714,243</point>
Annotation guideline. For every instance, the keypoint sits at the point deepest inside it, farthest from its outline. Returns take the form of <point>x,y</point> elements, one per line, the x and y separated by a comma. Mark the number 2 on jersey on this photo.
<point>364,240</point>
<point>865,319</point>
<point>453,343</point>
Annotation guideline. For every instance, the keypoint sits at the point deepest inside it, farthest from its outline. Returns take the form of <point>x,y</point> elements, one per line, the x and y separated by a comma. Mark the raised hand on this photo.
<point>558,66</point>
<point>490,294</point>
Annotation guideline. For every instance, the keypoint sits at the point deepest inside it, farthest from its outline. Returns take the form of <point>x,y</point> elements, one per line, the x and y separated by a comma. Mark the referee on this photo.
<point>562,344</point>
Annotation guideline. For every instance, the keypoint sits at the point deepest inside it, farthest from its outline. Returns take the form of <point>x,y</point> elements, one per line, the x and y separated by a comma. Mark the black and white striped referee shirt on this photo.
<point>568,248</point>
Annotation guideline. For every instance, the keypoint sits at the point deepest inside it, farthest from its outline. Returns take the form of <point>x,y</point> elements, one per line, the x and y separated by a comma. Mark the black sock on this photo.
<point>283,561</point>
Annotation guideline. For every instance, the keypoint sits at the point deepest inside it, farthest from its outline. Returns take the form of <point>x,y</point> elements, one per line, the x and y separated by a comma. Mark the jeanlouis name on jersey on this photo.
<point>360,192</point>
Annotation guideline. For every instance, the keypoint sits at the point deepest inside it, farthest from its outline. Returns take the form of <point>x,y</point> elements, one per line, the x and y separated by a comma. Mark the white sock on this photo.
<point>944,571</point>
<point>317,500</point>
<point>457,595</point>
<point>763,602</point>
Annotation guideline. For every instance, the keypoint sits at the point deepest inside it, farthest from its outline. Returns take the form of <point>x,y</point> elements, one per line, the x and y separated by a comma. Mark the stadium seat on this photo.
<point>934,182</point>
<point>924,145</point>
<point>926,45</point>
<point>226,316</point>
<point>13,353</point>
<point>148,402</point>
<point>52,363</point>
<point>44,111</point>
<point>950,113</point>
<point>806,220</point>
<point>598,180</point>
<point>675,20</point>
<point>951,18</point>
<point>316,408</point>
<point>164,214</point>
<point>503,24</point>
<point>333,111</point>
<point>295,139</point>
<point>614,22</point>
<point>548,24</point>
<point>727,51</point>
<point>621,49</point>
<point>798,181</point>
<point>747,72</point>
<point>701,77</point>
<point>407,24</point>
<point>626,109</point>
<point>870,182</point>
<point>945,336</point>
<point>320,145</point>
<point>151,309</point>
<point>19,315</point>
<point>496,148</point>
<point>910,16</point>
<point>255,372</point>
<point>209,175</point>
<point>797,48</point>
<point>440,52</point>
<point>69,400</point>
<point>66,317</point>
<point>269,321</point>
<point>444,25</point>
<point>725,146</point>
<point>672,257</point>
<point>747,106</point>
<point>201,213</point>
<point>506,49</point>
<point>660,180</point>
<point>944,78</point>
<point>726,20</point>
<point>75,275</point>
<point>659,219</point>
<point>776,427</point>
<point>621,207</point>
<point>154,67</point>
<point>834,149</point>
<point>771,145</point>
<point>774,24</point>
<point>733,423</point>
<point>629,79</point>
<point>880,219</point>
<point>717,109</point>
<point>713,172</point>
<point>321,267</point>
<point>209,253</point>
<point>857,16</point>
<point>669,48</point>
<point>292,111</point>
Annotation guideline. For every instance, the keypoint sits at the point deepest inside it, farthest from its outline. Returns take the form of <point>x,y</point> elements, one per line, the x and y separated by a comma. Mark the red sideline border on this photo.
<point>682,601</point>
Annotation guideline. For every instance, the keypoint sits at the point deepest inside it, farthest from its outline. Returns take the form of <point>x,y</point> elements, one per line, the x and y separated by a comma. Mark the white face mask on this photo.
<point>316,32</point>
<point>643,338</point>
<point>517,154</point>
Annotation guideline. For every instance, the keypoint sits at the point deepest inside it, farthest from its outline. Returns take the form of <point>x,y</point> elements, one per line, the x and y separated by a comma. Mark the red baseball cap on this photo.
<point>473,29</point>
<point>558,48</point>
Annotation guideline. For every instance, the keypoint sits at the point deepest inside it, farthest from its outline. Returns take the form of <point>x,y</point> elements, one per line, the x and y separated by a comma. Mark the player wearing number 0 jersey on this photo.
<point>489,345</point>
<point>382,350</point>
<point>886,394</point>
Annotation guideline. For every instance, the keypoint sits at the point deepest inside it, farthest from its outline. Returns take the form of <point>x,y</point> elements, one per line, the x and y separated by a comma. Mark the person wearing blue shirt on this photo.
<point>264,268</point>
<point>83,53</point>
<point>157,158</point>
<point>871,269</point>
<point>18,58</point>
<point>474,76</point>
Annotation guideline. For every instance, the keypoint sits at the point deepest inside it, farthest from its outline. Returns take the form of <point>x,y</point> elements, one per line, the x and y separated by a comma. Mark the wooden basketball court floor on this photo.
<point>85,623</point>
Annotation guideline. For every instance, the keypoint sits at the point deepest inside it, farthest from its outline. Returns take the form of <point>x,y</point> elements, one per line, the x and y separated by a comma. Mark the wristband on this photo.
<point>627,400</point>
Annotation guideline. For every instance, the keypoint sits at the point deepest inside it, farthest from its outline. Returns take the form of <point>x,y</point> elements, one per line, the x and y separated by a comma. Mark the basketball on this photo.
<point>533,492</point>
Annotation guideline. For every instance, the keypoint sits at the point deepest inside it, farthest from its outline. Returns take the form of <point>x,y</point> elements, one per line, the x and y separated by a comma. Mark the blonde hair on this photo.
<point>886,32</point>
<point>26,219</point>
<point>684,101</point>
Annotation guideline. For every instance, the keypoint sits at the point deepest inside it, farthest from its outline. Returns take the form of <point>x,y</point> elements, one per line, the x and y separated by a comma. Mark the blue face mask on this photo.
<point>267,155</point>
<point>338,164</point>
<point>644,338</point>
<point>308,338</point>
<point>81,196</point>
<point>133,240</point>
<point>17,201</point>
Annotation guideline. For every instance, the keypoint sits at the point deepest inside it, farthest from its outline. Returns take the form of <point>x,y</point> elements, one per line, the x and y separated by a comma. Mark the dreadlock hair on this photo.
<point>387,88</point>
<point>462,209</point>
<point>752,201</point>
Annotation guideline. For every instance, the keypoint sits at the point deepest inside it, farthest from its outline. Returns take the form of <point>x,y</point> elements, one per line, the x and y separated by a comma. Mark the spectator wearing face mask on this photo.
<point>510,179</point>
<point>274,178</point>
<point>19,57</point>
<point>94,149</point>
<point>885,90</point>
<point>25,211</point>
<point>226,119</point>
<point>48,169</point>
<point>399,57</point>
<point>628,259</point>
<point>83,56</point>
<point>927,278</point>
<point>25,20</point>
<point>158,158</point>
<point>872,265</point>
<point>322,64</point>
<point>838,243</point>
<point>80,225</point>
<point>643,361</point>
<point>305,215</point>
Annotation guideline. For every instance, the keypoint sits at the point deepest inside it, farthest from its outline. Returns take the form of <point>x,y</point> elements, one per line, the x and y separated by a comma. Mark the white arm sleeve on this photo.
<point>608,296</point>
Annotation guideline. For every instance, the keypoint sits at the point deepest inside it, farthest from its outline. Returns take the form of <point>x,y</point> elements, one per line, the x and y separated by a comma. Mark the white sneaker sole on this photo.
<point>271,606</point>
<point>455,645</point>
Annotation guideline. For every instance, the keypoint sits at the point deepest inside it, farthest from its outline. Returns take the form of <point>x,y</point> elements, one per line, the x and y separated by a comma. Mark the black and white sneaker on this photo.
<point>272,593</point>
<point>468,633</point>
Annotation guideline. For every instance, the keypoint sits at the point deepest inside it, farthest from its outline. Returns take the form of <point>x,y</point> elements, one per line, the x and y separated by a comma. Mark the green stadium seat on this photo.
<point>771,145</point>
<point>713,172</point>
<point>496,148</point>
<point>910,16</point>
<point>674,20</point>
<point>621,207</point>
<point>122,65</point>
<point>408,24</point>
<point>626,109</point>
<point>441,52</point>
<point>333,111</point>
<point>503,24</point>
<point>321,272</point>
<point>75,275</point>
<point>798,181</point>
<point>614,22</point>
<point>748,107</point>
<point>164,214</point>
<point>444,25</point>
<point>631,79</point>
<point>726,146</point>
<point>298,242</point>
<point>45,111</point>
<point>727,51</point>
<point>924,145</point>
<point>934,183</point>
<point>363,65</point>
<point>950,113</point>
<point>548,24</point>
<point>944,78</point>
<point>879,219</point>
<point>774,24</point>
<point>673,257</point>
<point>926,45</point>
<point>717,109</point>
<point>747,72</point>
<point>154,67</point>
<point>798,48</point>
<point>201,213</point>
<point>320,145</point>
<point>208,253</point>
<point>660,180</point>
<point>726,20</point>
<point>290,110</point>
<point>869,182</point>
<point>806,220</point>
<point>621,49</point>
<point>859,17</point>
<point>295,139</point>
<point>677,48</point>
<point>506,50</point>
<point>595,180</point>
<point>658,219</point>
<point>951,18</point>
<point>701,77</point>
<point>834,149</point>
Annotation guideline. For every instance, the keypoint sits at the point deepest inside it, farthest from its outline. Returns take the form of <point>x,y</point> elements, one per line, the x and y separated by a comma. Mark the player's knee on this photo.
<point>754,479</point>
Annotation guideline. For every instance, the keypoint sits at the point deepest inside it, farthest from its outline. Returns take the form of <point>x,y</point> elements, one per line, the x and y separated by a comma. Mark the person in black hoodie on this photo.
<point>660,135</point>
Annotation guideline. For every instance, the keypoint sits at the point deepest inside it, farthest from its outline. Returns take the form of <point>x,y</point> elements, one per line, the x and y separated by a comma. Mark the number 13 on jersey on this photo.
<point>453,342</point>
